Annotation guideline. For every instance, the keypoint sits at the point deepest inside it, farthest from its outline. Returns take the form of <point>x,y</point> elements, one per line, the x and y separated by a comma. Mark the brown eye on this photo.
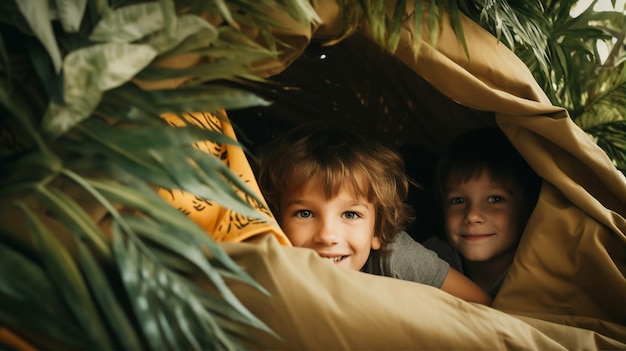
<point>495,199</point>
<point>456,201</point>
<point>304,214</point>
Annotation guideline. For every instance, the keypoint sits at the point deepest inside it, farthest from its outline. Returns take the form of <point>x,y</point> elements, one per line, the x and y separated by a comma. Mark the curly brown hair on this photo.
<point>338,157</point>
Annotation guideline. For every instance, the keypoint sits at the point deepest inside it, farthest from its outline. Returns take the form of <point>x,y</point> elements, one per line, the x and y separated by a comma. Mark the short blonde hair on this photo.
<point>338,157</point>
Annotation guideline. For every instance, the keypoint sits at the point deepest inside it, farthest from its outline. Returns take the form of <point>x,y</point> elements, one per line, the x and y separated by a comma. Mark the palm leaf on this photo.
<point>610,137</point>
<point>65,274</point>
<point>80,135</point>
<point>82,142</point>
<point>25,291</point>
<point>561,52</point>
<point>112,308</point>
<point>167,312</point>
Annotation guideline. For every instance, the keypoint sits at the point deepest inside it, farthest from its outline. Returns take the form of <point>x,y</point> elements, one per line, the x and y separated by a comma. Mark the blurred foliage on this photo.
<point>90,256</point>
<point>562,53</point>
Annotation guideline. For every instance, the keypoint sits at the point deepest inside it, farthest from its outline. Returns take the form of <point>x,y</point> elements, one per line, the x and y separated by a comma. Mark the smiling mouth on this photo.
<point>476,236</point>
<point>334,259</point>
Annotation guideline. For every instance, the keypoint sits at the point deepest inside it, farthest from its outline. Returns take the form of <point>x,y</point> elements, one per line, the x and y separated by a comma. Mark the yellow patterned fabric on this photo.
<point>223,224</point>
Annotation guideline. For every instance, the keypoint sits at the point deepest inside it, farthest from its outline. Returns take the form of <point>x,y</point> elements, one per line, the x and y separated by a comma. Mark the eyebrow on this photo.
<point>304,202</point>
<point>497,189</point>
<point>294,202</point>
<point>357,203</point>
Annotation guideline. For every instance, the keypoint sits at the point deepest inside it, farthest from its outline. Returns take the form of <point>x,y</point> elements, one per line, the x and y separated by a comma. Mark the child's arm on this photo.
<point>461,286</point>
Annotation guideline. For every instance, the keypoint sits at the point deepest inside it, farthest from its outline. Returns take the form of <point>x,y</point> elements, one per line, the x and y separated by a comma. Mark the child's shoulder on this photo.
<point>405,245</point>
<point>445,251</point>
<point>410,260</point>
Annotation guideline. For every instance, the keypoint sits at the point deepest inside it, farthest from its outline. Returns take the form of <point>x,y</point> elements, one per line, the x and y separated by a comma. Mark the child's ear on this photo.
<point>375,243</point>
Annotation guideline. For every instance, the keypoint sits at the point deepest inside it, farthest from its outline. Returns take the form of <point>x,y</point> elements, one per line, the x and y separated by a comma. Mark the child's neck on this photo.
<point>486,273</point>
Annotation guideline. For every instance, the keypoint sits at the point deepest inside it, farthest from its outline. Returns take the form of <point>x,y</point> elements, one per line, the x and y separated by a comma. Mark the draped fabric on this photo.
<point>566,287</point>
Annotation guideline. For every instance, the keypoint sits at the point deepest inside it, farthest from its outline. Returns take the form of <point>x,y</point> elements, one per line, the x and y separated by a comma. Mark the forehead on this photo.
<point>328,184</point>
<point>309,194</point>
<point>483,178</point>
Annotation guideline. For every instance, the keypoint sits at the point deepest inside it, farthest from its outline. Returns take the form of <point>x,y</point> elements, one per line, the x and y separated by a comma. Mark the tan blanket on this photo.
<point>567,285</point>
<point>564,291</point>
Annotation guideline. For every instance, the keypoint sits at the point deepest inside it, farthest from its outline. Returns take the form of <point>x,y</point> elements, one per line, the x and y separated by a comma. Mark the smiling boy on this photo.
<point>487,191</point>
<point>332,227</point>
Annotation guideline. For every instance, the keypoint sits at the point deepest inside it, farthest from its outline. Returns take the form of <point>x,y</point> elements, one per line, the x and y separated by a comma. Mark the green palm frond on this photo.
<point>518,24</point>
<point>561,52</point>
<point>604,113</point>
<point>385,24</point>
<point>83,145</point>
<point>610,137</point>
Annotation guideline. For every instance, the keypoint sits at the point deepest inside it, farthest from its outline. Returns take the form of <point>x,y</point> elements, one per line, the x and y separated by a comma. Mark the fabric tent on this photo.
<point>567,284</point>
<point>566,287</point>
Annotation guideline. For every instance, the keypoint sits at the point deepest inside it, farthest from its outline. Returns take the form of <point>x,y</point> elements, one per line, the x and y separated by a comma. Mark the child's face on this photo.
<point>340,229</point>
<point>482,218</point>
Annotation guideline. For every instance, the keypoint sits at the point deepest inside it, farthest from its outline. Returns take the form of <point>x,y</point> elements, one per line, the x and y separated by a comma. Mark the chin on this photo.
<point>477,257</point>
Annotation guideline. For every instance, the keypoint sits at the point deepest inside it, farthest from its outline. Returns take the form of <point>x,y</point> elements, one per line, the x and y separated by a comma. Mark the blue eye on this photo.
<point>304,214</point>
<point>350,215</point>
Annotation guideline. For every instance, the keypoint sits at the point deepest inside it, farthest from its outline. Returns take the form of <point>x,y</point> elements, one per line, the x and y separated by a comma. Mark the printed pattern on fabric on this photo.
<point>223,224</point>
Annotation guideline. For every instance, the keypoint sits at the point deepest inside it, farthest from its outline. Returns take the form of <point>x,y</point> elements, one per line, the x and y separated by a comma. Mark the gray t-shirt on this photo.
<point>445,251</point>
<point>450,255</point>
<point>408,260</point>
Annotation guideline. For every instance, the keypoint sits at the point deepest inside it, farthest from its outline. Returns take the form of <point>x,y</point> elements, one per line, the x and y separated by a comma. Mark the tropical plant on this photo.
<point>90,256</point>
<point>83,147</point>
<point>562,53</point>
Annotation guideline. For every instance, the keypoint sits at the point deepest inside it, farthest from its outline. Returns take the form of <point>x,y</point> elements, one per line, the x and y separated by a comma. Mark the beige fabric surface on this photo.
<point>317,306</point>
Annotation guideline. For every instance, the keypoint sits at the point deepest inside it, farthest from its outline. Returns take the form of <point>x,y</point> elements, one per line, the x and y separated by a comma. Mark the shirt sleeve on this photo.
<point>409,260</point>
<point>445,251</point>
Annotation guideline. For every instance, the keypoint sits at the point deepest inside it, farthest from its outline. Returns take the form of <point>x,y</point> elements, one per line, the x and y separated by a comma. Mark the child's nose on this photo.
<point>326,233</point>
<point>474,214</point>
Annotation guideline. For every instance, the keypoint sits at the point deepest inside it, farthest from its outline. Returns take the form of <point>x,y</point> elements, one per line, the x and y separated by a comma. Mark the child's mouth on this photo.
<point>476,236</point>
<point>335,259</point>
